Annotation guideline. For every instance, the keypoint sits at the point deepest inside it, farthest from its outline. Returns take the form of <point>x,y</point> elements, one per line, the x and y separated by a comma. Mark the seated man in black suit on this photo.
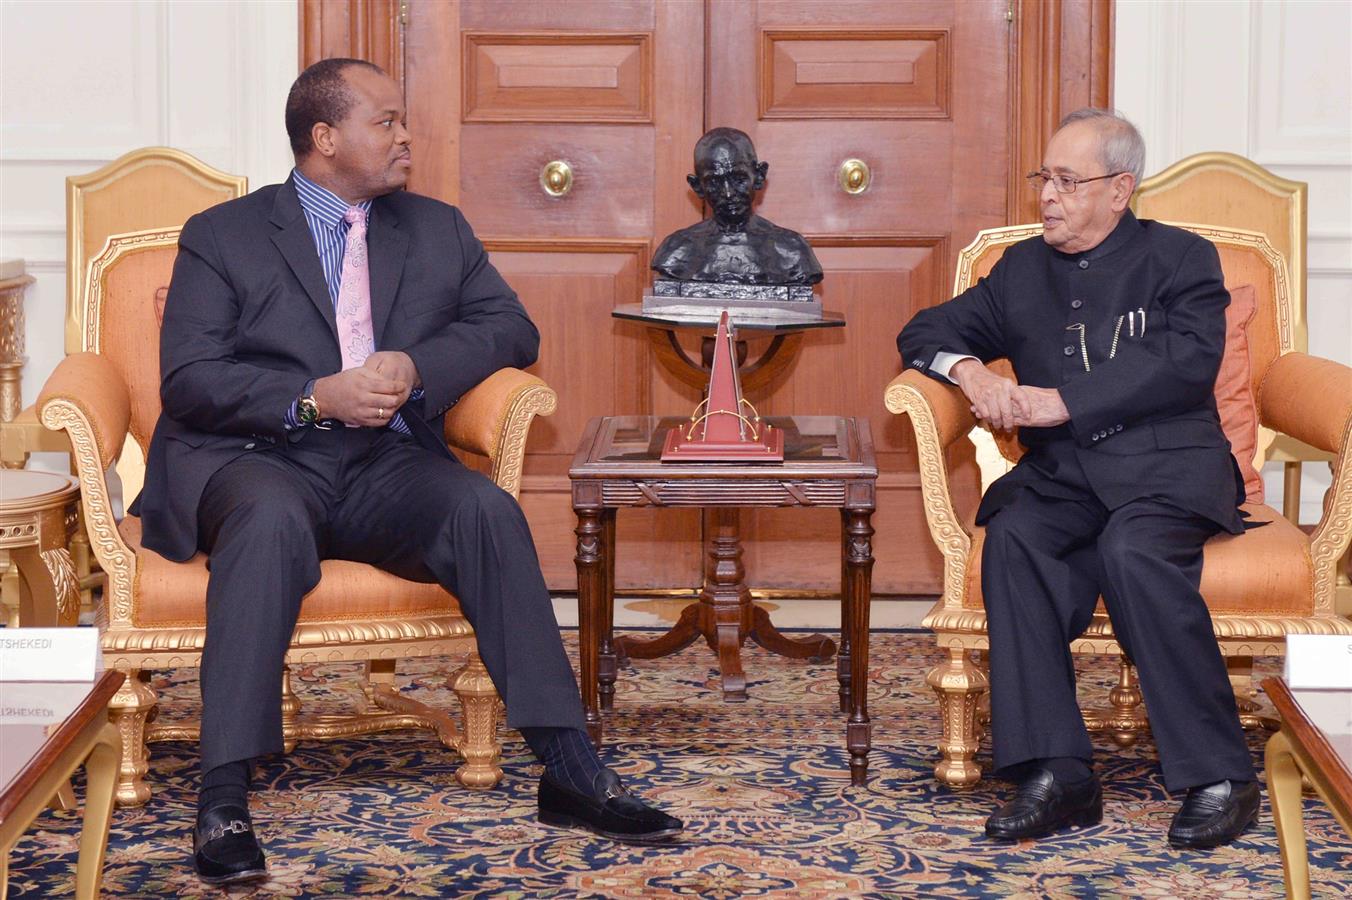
<point>1115,328</point>
<point>315,334</point>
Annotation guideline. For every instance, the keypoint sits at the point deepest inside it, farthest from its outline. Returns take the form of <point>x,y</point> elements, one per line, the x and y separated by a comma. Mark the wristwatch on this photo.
<point>307,407</point>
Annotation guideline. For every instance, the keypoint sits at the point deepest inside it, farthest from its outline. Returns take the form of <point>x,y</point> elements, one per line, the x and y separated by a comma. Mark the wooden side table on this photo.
<point>1315,740</point>
<point>39,759</point>
<point>828,462</point>
<point>39,512</point>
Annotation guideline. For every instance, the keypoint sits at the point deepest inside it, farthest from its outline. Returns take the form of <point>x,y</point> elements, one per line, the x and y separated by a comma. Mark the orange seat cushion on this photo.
<point>170,594</point>
<point>1264,571</point>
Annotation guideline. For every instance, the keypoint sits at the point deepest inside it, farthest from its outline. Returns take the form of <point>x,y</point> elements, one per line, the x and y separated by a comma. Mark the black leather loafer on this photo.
<point>225,848</point>
<point>1043,805</point>
<point>612,813</point>
<point>1215,814</point>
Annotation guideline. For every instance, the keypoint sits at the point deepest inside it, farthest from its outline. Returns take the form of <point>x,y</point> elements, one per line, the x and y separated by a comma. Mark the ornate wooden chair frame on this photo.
<point>1303,396</point>
<point>89,399</point>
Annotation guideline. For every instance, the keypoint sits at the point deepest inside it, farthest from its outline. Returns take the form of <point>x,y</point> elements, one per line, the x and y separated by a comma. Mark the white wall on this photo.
<point>84,82</point>
<point>1272,81</point>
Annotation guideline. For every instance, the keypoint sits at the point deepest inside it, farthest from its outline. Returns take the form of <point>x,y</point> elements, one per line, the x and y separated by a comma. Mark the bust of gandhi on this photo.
<point>735,246</point>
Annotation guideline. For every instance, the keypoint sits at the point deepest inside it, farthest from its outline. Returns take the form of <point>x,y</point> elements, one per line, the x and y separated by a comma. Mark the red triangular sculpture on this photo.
<point>729,429</point>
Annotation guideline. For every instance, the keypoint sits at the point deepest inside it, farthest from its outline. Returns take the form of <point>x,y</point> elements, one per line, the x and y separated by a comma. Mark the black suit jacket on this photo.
<point>1147,308</point>
<point>248,321</point>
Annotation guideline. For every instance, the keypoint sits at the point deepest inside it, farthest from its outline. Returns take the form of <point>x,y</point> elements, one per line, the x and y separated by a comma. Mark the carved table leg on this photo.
<point>858,588</point>
<point>607,666</point>
<point>589,588</point>
<point>728,600</point>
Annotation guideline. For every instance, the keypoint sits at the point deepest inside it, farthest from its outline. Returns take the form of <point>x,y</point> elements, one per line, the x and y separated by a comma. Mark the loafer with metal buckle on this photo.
<point>612,813</point>
<point>225,848</point>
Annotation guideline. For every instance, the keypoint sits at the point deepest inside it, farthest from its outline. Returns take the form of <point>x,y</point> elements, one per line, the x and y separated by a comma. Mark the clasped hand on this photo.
<point>1004,404</point>
<point>370,393</point>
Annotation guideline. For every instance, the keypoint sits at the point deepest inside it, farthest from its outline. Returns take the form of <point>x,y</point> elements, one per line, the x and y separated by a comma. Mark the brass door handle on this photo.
<point>556,178</point>
<point>854,176</point>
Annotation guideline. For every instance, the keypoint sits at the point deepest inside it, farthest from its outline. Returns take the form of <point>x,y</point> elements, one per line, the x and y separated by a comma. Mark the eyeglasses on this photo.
<point>1064,184</point>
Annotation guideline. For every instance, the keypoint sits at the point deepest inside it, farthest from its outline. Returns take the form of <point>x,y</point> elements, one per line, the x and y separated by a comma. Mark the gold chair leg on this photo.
<point>290,712</point>
<point>479,745</point>
<point>960,686</point>
<point>130,709</point>
<point>1127,720</point>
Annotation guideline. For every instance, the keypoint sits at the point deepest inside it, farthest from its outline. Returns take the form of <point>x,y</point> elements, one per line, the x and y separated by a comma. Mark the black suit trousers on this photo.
<point>1048,556</point>
<point>373,496</point>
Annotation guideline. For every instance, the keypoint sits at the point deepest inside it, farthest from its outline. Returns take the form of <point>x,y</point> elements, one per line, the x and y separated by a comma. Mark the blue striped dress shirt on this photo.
<point>325,213</point>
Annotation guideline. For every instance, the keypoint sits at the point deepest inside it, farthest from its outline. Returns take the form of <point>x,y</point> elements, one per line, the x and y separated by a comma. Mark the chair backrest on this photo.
<point>1247,258</point>
<point>121,313</point>
<point>155,187</point>
<point>1229,191</point>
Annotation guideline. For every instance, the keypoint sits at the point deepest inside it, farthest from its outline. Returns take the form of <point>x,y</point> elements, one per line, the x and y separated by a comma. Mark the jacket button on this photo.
<point>1119,428</point>
<point>1084,264</point>
<point>1076,304</point>
<point>1095,436</point>
<point>1069,351</point>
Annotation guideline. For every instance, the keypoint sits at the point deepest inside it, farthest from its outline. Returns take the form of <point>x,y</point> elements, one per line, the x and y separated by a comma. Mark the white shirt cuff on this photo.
<point>944,362</point>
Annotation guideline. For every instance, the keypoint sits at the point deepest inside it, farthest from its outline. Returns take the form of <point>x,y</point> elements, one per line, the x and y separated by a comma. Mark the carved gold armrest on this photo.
<point>939,414</point>
<point>494,418</point>
<point>1311,400</point>
<point>87,398</point>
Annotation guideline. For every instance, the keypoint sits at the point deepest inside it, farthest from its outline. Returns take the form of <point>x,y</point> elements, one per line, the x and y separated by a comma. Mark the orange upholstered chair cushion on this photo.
<point>171,594</point>
<point>1265,570</point>
<point>1234,390</point>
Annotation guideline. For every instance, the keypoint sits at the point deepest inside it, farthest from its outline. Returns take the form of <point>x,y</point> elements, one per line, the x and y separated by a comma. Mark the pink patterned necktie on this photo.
<point>356,337</point>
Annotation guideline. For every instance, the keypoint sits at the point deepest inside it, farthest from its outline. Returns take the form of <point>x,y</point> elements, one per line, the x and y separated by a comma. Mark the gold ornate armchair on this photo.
<point>152,613</point>
<point>1260,586</point>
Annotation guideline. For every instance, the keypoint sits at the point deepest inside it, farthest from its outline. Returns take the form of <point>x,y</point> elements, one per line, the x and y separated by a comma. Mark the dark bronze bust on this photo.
<point>735,246</point>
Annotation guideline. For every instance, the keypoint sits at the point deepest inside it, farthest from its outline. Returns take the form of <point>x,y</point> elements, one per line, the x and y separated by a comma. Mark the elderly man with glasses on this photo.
<point>1115,328</point>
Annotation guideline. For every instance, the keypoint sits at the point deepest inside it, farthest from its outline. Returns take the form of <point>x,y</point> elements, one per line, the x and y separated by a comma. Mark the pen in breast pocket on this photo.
<point>1141,310</point>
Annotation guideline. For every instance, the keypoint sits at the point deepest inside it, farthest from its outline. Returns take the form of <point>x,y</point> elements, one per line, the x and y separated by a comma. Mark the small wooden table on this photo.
<point>38,515</point>
<point>828,462</point>
<point>51,730</point>
<point>1315,740</point>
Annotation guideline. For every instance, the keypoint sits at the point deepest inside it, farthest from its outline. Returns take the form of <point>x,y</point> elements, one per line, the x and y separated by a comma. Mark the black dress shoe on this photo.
<point>613,812</point>
<point>1215,814</point>
<point>1042,805</point>
<point>225,849</point>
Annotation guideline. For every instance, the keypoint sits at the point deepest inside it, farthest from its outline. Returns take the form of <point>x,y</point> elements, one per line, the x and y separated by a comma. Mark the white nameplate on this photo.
<point>49,654</point>
<point>1318,661</point>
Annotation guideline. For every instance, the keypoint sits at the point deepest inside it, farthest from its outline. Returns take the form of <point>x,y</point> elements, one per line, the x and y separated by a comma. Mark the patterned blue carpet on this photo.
<point>763,787</point>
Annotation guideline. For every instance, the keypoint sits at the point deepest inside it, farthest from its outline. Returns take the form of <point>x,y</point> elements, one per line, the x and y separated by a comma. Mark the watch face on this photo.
<point>308,410</point>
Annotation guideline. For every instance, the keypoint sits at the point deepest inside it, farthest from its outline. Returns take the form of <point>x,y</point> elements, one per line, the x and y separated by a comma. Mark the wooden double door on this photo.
<point>928,94</point>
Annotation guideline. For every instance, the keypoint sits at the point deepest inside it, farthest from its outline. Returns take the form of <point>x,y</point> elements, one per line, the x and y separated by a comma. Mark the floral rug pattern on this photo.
<point>763,787</point>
